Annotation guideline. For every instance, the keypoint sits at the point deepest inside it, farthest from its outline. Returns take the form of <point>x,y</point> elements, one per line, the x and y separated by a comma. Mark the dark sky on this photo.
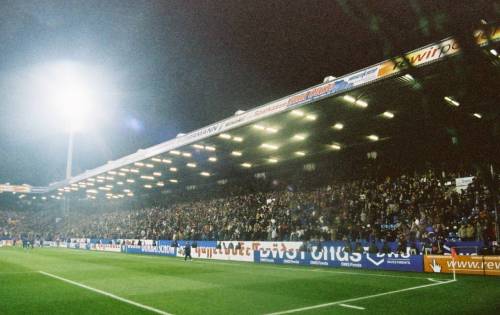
<point>165,67</point>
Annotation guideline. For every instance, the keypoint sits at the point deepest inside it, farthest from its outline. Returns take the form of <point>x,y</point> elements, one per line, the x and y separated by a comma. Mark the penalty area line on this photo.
<point>296,310</point>
<point>116,297</point>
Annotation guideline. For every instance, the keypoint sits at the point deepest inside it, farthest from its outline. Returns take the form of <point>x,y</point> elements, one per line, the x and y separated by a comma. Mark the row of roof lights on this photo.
<point>176,152</point>
<point>229,137</point>
<point>355,101</point>
<point>300,113</point>
<point>266,129</point>
<point>204,147</point>
<point>455,103</point>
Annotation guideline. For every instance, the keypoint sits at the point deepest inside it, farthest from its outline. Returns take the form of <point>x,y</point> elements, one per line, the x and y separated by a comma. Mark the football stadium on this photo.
<point>372,191</point>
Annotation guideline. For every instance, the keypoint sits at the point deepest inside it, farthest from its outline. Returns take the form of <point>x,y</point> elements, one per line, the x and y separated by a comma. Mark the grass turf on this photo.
<point>214,287</point>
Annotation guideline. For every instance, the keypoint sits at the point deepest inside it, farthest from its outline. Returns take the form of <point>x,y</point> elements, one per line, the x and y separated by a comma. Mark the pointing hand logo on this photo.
<point>435,267</point>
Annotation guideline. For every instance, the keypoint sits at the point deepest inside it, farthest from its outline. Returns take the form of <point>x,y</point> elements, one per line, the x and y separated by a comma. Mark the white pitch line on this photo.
<point>352,306</point>
<point>435,280</point>
<point>149,308</point>
<point>15,272</point>
<point>295,310</point>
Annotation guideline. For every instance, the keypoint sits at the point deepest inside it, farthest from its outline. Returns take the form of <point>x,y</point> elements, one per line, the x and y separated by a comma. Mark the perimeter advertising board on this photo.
<point>150,250</point>
<point>336,257</point>
<point>219,254</point>
<point>471,265</point>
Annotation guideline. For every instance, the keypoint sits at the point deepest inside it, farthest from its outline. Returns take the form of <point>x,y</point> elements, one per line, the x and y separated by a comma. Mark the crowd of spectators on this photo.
<point>406,208</point>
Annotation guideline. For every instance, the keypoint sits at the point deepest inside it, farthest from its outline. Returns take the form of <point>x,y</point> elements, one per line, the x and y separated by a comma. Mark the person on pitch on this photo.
<point>187,252</point>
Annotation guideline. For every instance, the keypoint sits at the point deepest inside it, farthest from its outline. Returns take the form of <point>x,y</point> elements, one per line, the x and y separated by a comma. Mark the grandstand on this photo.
<point>414,137</point>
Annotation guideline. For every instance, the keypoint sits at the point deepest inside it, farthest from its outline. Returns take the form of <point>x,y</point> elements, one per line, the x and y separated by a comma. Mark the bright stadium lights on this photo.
<point>156,160</point>
<point>311,117</point>
<point>134,170</point>
<point>236,153</point>
<point>198,146</point>
<point>225,136</point>
<point>160,184</point>
<point>175,181</point>
<point>273,160</point>
<point>126,190</point>
<point>192,165</point>
<point>299,137</point>
<point>209,148</point>
<point>173,169</point>
<point>110,178</point>
<point>451,101</point>
<point>100,180</point>
<point>130,180</point>
<point>349,98</point>
<point>148,186</point>
<point>186,154</point>
<point>157,174</point>
<point>122,174</point>
<point>149,165</point>
<point>101,177</point>
<point>212,159</point>
<point>205,174</point>
<point>112,172</point>
<point>388,115</point>
<point>259,127</point>
<point>335,146</point>
<point>271,130</point>
<point>477,115</point>
<point>246,165</point>
<point>91,180</point>
<point>126,170</point>
<point>147,177</point>
<point>408,77</point>
<point>166,161</point>
<point>119,183</point>
<point>361,103</point>
<point>109,186</point>
<point>269,146</point>
<point>139,164</point>
<point>494,52</point>
<point>352,100</point>
<point>297,113</point>
<point>338,126</point>
<point>300,153</point>
<point>175,152</point>
<point>90,184</point>
<point>373,137</point>
<point>237,139</point>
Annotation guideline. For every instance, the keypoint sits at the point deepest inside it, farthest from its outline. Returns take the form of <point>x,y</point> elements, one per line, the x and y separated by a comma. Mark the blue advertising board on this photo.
<point>150,250</point>
<point>336,257</point>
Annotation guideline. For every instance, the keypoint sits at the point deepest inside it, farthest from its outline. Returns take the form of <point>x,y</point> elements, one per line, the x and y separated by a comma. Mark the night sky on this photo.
<point>166,67</point>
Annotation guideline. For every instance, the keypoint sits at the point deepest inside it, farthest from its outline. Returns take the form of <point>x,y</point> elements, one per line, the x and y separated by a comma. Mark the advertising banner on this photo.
<point>471,265</point>
<point>105,247</point>
<point>150,250</point>
<point>336,257</point>
<point>219,254</point>
<point>6,243</point>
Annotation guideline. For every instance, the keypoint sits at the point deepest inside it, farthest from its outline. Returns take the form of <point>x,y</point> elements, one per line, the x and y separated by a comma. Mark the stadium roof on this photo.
<point>370,105</point>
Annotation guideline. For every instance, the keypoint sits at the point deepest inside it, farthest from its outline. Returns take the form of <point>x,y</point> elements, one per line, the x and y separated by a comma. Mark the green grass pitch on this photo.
<point>169,285</point>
